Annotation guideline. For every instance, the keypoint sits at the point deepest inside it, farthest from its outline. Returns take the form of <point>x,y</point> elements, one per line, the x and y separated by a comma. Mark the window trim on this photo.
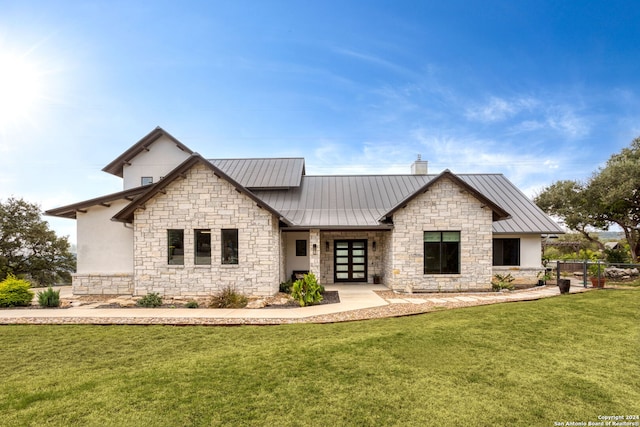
<point>206,260</point>
<point>230,258</point>
<point>518,254</point>
<point>441,246</point>
<point>170,254</point>
<point>301,247</point>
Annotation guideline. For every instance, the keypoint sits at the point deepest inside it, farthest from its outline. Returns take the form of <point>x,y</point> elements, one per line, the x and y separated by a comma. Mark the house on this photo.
<point>184,225</point>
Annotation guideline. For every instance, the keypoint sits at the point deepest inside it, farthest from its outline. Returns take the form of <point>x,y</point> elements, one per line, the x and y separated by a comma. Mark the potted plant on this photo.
<point>543,276</point>
<point>596,275</point>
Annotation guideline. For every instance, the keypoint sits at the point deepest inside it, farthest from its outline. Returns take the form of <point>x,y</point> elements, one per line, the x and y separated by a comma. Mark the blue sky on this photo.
<point>537,90</point>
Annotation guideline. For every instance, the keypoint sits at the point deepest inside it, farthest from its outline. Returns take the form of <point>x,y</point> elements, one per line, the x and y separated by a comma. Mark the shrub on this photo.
<point>307,290</point>
<point>228,298</point>
<point>191,304</point>
<point>151,300</point>
<point>15,292</point>
<point>501,281</point>
<point>49,298</point>
<point>285,287</point>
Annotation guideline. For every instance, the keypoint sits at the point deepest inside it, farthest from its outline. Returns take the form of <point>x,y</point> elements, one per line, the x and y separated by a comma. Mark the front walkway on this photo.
<point>356,302</point>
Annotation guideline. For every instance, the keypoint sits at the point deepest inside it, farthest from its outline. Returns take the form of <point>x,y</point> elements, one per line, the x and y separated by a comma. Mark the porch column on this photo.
<point>314,256</point>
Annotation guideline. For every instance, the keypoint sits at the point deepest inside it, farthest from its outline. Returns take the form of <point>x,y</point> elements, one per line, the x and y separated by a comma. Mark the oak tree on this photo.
<point>29,248</point>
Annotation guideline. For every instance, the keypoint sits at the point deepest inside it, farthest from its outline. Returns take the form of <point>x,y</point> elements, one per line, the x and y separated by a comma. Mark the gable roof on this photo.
<point>273,173</point>
<point>498,212</point>
<point>70,211</point>
<point>117,165</point>
<point>127,214</point>
<point>526,216</point>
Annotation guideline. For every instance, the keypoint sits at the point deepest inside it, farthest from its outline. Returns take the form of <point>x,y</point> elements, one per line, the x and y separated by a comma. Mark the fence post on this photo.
<point>584,273</point>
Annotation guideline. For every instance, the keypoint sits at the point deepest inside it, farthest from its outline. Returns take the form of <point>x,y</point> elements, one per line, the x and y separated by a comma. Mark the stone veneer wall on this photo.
<point>204,201</point>
<point>102,284</point>
<point>521,274</point>
<point>444,207</point>
<point>375,259</point>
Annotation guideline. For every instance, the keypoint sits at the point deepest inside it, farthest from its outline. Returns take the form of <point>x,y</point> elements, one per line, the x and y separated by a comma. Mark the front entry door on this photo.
<point>350,261</point>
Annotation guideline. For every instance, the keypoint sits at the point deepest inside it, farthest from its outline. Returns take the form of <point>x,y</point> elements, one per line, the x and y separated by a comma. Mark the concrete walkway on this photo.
<point>352,297</point>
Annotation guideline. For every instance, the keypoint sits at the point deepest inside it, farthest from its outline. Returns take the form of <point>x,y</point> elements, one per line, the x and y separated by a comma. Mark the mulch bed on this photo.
<point>328,297</point>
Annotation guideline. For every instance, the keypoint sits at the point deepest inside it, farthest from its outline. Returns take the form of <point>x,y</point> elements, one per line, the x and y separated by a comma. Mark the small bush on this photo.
<point>501,281</point>
<point>191,304</point>
<point>228,298</point>
<point>307,290</point>
<point>285,287</point>
<point>49,298</point>
<point>15,292</point>
<point>151,300</point>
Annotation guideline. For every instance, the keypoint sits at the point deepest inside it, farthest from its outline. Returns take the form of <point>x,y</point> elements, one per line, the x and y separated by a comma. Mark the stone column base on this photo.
<point>102,284</point>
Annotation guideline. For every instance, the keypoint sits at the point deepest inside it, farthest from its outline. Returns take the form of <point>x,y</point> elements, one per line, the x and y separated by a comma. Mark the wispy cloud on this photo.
<point>498,109</point>
<point>531,114</point>
<point>565,120</point>
<point>375,60</point>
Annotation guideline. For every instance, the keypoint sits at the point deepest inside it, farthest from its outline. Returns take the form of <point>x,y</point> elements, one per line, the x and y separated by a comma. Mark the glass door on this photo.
<point>350,261</point>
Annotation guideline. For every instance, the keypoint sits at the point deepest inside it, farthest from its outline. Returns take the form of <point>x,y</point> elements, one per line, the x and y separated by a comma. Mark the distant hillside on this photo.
<point>610,235</point>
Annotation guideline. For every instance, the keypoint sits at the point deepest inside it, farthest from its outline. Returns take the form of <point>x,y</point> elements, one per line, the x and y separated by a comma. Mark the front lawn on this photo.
<point>569,358</point>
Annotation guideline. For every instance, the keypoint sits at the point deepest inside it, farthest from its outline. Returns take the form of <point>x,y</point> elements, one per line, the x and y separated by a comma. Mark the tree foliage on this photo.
<point>29,248</point>
<point>611,196</point>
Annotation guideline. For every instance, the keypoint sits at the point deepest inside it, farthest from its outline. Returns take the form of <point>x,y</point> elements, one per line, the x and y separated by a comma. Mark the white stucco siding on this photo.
<point>204,201</point>
<point>530,257</point>
<point>530,249</point>
<point>162,157</point>
<point>294,262</point>
<point>104,246</point>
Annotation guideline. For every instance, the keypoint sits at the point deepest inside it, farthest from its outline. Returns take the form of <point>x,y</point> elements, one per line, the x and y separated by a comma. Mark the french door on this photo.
<point>350,261</point>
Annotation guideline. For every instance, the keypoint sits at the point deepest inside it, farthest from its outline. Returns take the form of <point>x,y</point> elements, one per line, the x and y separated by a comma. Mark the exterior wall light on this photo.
<point>315,249</point>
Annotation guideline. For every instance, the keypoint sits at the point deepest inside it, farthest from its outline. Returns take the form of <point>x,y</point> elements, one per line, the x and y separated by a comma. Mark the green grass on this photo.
<point>634,283</point>
<point>569,358</point>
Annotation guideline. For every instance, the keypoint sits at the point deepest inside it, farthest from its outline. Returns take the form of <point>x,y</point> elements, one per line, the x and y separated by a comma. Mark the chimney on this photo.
<point>419,167</point>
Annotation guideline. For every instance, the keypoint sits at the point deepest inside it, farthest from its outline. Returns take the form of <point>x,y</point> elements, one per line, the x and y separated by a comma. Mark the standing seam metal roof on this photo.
<point>359,201</point>
<point>263,173</point>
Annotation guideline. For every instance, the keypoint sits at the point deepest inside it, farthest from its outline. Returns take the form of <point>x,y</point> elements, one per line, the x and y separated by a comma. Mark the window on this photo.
<point>175,246</point>
<point>441,252</point>
<point>301,248</point>
<point>230,246</point>
<point>506,251</point>
<point>202,241</point>
<point>146,180</point>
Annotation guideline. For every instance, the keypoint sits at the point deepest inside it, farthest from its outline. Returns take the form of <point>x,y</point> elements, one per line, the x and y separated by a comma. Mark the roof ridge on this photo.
<point>257,158</point>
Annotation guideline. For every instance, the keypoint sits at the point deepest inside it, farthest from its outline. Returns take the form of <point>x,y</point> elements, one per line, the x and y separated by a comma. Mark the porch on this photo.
<point>336,257</point>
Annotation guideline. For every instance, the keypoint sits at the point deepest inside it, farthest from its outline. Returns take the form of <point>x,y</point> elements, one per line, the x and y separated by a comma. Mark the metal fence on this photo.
<point>583,268</point>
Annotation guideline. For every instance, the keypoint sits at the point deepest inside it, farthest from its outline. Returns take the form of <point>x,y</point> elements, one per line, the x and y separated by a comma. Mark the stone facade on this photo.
<point>103,284</point>
<point>444,207</point>
<point>203,201</point>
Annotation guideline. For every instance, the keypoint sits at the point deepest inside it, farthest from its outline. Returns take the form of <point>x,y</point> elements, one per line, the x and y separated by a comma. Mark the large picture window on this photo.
<point>441,252</point>
<point>506,252</point>
<point>230,246</point>
<point>175,246</point>
<point>202,239</point>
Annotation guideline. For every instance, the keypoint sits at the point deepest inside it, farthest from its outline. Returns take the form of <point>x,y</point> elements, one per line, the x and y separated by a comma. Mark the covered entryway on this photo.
<point>350,261</point>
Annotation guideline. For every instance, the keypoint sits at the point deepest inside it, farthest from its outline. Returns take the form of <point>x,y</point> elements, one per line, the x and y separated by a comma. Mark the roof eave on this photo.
<point>498,212</point>
<point>127,214</point>
<point>117,165</point>
<point>69,211</point>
